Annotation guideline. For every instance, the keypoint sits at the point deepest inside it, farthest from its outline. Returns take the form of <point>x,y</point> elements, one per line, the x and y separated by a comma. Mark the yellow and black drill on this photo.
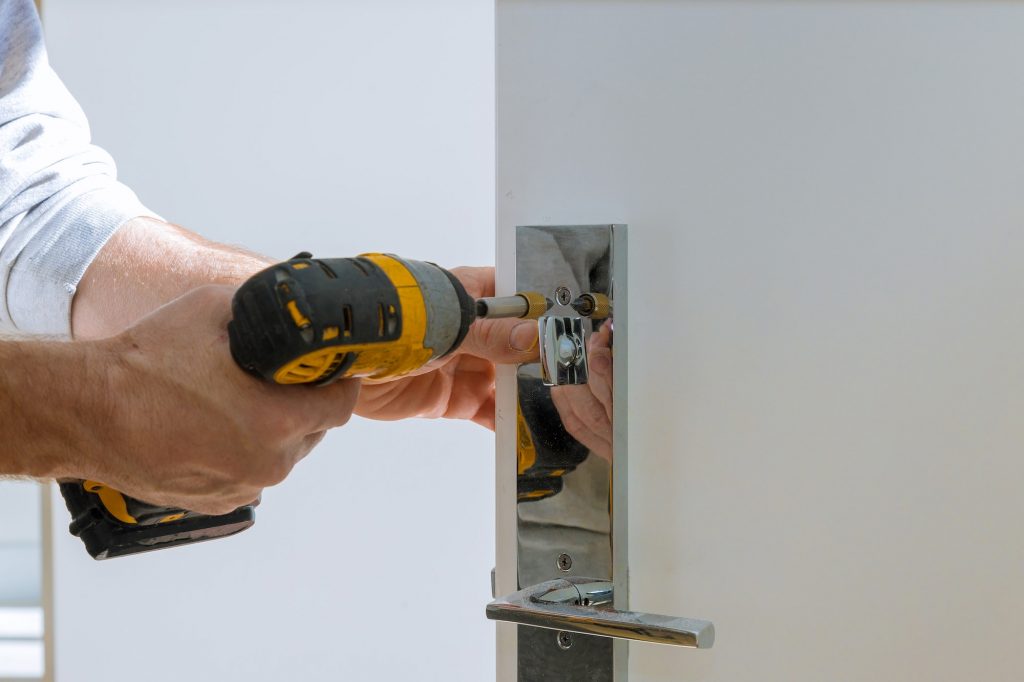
<point>306,321</point>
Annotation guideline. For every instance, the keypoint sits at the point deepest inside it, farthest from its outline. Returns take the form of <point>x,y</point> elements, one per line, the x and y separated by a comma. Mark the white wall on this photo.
<point>826,211</point>
<point>20,543</point>
<point>334,127</point>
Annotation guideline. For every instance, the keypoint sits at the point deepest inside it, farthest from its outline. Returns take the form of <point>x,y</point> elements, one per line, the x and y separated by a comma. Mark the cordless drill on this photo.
<point>305,321</point>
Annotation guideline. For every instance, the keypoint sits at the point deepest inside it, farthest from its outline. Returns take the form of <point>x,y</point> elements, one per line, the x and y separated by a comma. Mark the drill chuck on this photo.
<point>525,304</point>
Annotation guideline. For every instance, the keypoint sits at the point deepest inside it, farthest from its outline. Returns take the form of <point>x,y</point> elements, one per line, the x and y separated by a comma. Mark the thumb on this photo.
<point>502,341</point>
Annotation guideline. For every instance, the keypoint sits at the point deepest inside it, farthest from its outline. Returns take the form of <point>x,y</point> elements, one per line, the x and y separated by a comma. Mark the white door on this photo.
<point>825,204</point>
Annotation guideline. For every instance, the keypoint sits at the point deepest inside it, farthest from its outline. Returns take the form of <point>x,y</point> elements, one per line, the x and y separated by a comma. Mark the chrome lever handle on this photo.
<point>584,605</point>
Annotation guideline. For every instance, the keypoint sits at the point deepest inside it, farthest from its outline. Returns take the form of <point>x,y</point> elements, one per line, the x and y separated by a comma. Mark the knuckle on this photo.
<point>313,439</point>
<point>235,469</point>
<point>595,414</point>
<point>277,424</point>
<point>342,417</point>
<point>339,401</point>
<point>227,501</point>
<point>275,471</point>
<point>489,333</point>
<point>572,423</point>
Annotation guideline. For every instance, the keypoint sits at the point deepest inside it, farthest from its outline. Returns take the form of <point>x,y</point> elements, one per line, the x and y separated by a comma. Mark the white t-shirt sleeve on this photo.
<point>59,197</point>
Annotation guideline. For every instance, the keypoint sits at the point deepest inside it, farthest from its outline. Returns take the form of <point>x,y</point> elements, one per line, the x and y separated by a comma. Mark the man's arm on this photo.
<point>41,384</point>
<point>146,264</point>
<point>160,411</point>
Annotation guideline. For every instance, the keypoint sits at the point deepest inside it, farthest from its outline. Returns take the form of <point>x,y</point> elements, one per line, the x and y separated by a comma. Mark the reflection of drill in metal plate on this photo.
<point>545,450</point>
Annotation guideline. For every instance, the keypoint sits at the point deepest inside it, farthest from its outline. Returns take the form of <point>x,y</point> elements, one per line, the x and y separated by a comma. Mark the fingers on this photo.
<point>502,341</point>
<point>472,386</point>
<point>221,506</point>
<point>424,395</point>
<point>308,443</point>
<point>586,410</point>
<point>212,501</point>
<point>214,435</point>
<point>472,393</point>
<point>584,418</point>
<point>478,281</point>
<point>332,405</point>
<point>600,362</point>
<point>485,416</point>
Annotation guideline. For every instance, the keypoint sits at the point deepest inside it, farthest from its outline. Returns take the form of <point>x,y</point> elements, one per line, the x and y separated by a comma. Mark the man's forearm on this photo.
<point>53,394</point>
<point>148,263</point>
<point>49,393</point>
<point>159,412</point>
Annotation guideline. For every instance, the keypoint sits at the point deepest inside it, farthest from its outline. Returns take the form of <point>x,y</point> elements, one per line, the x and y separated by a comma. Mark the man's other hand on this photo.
<point>461,385</point>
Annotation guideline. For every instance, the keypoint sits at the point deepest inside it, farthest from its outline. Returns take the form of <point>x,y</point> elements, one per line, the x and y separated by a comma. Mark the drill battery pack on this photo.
<point>112,525</point>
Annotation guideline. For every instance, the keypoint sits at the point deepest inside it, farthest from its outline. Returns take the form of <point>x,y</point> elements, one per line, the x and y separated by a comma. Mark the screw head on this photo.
<point>563,562</point>
<point>563,295</point>
<point>564,640</point>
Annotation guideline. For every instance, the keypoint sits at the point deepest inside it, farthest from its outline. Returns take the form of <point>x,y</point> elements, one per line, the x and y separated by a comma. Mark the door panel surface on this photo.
<point>826,212</point>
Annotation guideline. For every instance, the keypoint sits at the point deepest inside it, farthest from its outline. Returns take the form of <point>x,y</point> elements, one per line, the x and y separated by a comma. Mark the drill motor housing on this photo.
<point>311,320</point>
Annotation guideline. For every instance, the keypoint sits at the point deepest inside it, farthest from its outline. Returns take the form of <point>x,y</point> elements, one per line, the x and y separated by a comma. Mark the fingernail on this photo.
<point>523,337</point>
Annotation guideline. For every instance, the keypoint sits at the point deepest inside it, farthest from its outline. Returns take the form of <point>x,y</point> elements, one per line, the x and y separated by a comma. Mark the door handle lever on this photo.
<point>584,605</point>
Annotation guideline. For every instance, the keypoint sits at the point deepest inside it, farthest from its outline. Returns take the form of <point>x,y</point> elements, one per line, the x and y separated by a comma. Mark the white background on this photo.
<point>333,127</point>
<point>21,579</point>
<point>20,544</point>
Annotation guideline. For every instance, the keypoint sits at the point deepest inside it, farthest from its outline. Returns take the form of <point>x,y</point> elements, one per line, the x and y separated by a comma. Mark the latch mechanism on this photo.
<point>563,351</point>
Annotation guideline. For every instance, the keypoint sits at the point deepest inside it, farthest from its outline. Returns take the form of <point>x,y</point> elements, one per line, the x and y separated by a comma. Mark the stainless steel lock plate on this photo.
<point>569,595</point>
